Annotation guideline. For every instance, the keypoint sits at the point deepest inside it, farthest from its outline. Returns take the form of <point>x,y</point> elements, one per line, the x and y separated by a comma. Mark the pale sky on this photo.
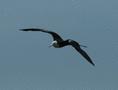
<point>26,61</point>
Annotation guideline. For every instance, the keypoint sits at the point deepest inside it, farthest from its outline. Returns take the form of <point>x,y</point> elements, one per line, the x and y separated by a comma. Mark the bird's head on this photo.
<point>54,43</point>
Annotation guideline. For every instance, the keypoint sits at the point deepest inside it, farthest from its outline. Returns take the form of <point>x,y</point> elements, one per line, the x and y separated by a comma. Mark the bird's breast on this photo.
<point>56,45</point>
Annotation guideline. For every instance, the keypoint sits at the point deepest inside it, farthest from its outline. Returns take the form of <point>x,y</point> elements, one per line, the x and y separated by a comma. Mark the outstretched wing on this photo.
<point>54,35</point>
<point>82,52</point>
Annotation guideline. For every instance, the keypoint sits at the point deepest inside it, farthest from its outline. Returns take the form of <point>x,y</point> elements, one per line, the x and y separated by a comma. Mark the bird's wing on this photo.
<point>54,35</point>
<point>82,52</point>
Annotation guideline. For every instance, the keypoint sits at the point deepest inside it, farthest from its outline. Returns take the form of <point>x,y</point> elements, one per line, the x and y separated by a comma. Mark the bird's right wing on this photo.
<point>82,52</point>
<point>54,35</point>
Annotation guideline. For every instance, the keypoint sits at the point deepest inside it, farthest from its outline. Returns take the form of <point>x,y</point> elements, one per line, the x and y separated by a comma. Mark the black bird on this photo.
<point>58,42</point>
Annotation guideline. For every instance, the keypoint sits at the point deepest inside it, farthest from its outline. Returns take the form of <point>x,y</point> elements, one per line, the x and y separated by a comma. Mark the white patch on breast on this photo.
<point>55,44</point>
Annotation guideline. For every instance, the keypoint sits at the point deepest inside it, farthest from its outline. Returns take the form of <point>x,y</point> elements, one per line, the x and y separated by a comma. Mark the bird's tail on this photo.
<point>83,46</point>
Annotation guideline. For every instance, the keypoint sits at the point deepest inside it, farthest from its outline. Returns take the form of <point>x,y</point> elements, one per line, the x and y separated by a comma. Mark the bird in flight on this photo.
<point>58,42</point>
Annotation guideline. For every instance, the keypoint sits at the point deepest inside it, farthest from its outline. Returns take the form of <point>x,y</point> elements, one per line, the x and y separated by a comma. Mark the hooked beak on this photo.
<point>50,45</point>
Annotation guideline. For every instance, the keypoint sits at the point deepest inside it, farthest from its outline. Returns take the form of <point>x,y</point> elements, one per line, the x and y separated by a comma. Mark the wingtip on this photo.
<point>31,29</point>
<point>23,29</point>
<point>93,64</point>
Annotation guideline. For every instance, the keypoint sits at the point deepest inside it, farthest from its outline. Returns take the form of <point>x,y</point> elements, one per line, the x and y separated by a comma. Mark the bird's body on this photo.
<point>58,42</point>
<point>55,44</point>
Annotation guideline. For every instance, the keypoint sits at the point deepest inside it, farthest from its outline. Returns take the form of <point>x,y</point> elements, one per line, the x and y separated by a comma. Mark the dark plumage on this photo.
<point>58,42</point>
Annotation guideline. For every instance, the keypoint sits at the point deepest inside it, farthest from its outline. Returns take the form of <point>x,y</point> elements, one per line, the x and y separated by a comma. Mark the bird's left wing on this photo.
<point>54,35</point>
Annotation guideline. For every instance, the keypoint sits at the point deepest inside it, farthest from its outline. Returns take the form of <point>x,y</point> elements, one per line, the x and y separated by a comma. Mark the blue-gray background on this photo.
<point>26,61</point>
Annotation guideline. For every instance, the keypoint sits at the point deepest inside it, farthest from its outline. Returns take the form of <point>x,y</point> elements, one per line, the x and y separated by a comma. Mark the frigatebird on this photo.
<point>58,42</point>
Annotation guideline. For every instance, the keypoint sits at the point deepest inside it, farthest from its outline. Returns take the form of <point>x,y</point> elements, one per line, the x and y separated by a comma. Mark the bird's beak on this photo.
<point>50,45</point>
